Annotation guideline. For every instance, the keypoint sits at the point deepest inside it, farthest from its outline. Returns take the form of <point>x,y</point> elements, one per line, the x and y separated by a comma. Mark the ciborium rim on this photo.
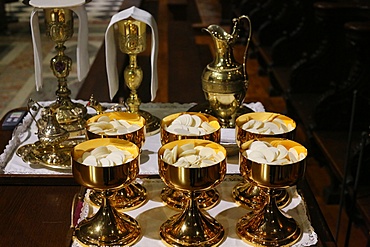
<point>268,175</point>
<point>137,137</point>
<point>191,178</point>
<point>105,178</point>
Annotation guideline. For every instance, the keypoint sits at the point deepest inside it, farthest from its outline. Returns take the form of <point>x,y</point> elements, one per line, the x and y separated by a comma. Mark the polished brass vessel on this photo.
<point>59,28</point>
<point>225,81</point>
<point>107,227</point>
<point>248,193</point>
<point>53,147</point>
<point>269,226</point>
<point>133,195</point>
<point>175,198</point>
<point>132,41</point>
<point>192,227</point>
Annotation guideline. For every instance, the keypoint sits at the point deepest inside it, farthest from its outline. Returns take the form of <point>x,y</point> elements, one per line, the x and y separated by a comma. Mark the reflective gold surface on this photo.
<point>133,195</point>
<point>248,194</point>
<point>136,137</point>
<point>59,28</point>
<point>174,198</point>
<point>269,226</point>
<point>225,81</point>
<point>131,36</point>
<point>192,227</point>
<point>243,136</point>
<point>107,227</point>
<point>53,147</point>
<point>128,198</point>
<point>167,137</point>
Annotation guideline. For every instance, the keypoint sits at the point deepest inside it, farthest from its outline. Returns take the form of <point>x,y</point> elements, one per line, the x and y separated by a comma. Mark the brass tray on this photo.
<point>32,153</point>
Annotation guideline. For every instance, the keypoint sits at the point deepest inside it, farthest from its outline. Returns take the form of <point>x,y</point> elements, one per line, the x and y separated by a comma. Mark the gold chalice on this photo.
<point>59,28</point>
<point>193,226</point>
<point>125,126</point>
<point>175,198</point>
<point>248,193</point>
<point>107,227</point>
<point>132,41</point>
<point>268,226</point>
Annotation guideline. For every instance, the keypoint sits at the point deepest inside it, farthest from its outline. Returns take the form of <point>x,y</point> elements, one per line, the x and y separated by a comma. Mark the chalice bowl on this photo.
<point>193,226</point>
<point>107,227</point>
<point>253,126</point>
<point>189,125</point>
<point>126,126</point>
<point>268,226</point>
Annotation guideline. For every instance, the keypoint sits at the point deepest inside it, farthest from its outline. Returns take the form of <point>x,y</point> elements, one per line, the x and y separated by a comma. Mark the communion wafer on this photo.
<point>105,156</point>
<point>191,156</point>
<point>266,153</point>
<point>187,124</point>
<point>269,127</point>
<point>106,126</point>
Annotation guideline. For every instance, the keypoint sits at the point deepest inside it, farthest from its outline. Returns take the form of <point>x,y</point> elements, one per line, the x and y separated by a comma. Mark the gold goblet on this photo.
<point>134,194</point>
<point>192,227</point>
<point>248,193</point>
<point>59,28</point>
<point>268,226</point>
<point>107,227</point>
<point>175,198</point>
<point>132,41</point>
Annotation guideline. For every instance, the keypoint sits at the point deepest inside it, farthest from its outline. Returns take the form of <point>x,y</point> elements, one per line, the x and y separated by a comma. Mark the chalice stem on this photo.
<point>108,227</point>
<point>269,226</point>
<point>133,75</point>
<point>193,225</point>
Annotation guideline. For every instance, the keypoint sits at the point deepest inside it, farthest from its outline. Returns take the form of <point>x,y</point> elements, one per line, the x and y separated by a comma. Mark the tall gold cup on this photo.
<point>248,193</point>
<point>192,227</point>
<point>132,41</point>
<point>269,226</point>
<point>59,28</point>
<point>107,227</point>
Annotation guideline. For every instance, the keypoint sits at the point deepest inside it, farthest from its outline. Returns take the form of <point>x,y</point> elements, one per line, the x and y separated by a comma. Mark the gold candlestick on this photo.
<point>132,41</point>
<point>59,28</point>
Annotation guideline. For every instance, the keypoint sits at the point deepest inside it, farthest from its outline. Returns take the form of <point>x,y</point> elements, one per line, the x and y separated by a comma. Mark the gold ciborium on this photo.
<point>175,198</point>
<point>108,125</point>
<point>269,226</point>
<point>107,227</point>
<point>225,81</point>
<point>253,126</point>
<point>132,41</point>
<point>193,226</point>
<point>59,28</point>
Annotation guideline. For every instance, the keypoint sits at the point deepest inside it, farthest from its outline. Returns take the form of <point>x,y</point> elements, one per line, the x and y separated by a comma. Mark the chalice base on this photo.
<point>128,198</point>
<point>70,116</point>
<point>206,108</point>
<point>268,227</point>
<point>192,228</point>
<point>249,195</point>
<point>177,199</point>
<point>283,198</point>
<point>153,123</point>
<point>108,227</point>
